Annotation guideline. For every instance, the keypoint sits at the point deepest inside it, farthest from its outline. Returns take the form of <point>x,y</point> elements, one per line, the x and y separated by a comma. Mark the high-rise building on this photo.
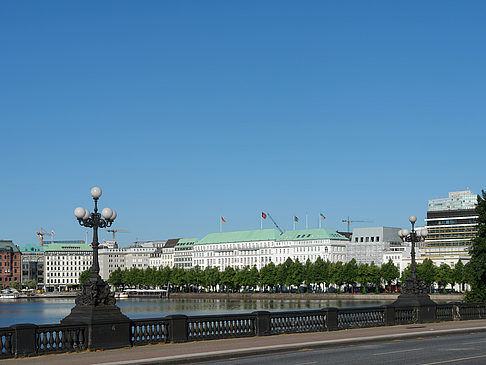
<point>452,223</point>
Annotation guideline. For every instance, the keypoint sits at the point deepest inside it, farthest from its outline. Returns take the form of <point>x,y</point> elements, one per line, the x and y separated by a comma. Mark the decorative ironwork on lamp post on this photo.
<point>95,291</point>
<point>413,285</point>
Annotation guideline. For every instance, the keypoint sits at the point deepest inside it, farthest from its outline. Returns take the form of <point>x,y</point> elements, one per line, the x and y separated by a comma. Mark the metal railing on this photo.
<point>31,340</point>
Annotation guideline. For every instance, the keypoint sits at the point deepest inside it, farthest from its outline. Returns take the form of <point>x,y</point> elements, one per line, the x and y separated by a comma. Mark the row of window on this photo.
<point>367,239</point>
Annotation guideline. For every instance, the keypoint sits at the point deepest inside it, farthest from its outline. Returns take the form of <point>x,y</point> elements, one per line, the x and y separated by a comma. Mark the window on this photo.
<point>372,239</point>
<point>377,238</point>
<point>361,239</point>
<point>367,239</point>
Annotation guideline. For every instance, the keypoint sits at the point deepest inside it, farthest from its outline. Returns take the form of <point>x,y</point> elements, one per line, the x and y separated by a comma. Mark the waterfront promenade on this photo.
<point>213,350</point>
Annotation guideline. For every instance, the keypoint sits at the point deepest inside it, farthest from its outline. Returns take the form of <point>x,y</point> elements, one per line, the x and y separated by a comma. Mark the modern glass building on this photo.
<point>451,224</point>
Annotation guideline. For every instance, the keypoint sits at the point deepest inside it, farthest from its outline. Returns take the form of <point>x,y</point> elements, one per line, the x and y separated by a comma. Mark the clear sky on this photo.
<point>186,111</point>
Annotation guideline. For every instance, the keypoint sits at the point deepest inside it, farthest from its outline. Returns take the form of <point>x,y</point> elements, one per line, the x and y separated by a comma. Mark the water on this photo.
<point>52,310</point>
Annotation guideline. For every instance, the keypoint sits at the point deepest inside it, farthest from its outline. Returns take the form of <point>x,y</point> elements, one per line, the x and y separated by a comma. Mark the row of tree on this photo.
<point>316,275</point>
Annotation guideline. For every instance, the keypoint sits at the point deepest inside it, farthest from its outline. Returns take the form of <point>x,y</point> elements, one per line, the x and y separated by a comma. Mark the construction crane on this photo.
<point>114,232</point>
<point>348,221</point>
<point>41,235</point>
<point>276,225</point>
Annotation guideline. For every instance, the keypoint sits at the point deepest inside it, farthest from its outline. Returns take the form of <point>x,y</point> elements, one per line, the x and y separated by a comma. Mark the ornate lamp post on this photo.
<point>414,291</point>
<point>413,285</point>
<point>95,305</point>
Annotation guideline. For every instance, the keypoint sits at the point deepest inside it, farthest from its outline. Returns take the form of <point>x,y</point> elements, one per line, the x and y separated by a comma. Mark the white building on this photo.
<point>183,252</point>
<point>111,259</point>
<point>64,264</point>
<point>375,244</point>
<point>260,247</point>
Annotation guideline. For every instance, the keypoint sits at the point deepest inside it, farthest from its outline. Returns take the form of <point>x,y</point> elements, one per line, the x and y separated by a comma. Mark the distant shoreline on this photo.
<point>308,296</point>
<point>273,296</point>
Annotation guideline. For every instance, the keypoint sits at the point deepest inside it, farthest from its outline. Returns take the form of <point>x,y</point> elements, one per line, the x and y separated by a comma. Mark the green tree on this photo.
<point>84,276</point>
<point>389,272</point>
<point>15,285</point>
<point>31,284</point>
<point>477,264</point>
<point>427,272</point>
<point>284,272</point>
<point>116,278</point>
<point>443,275</point>
<point>375,276</point>
<point>337,272</point>
<point>296,275</point>
<point>459,274</point>
<point>227,277</point>
<point>350,273</point>
<point>268,275</point>
<point>363,276</point>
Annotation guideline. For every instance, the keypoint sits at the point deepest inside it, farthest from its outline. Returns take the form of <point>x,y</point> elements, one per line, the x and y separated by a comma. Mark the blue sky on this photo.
<point>187,111</point>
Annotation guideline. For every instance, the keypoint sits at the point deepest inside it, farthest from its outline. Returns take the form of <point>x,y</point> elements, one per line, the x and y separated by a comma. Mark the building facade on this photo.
<point>10,263</point>
<point>452,224</point>
<point>260,247</point>
<point>64,264</point>
<point>33,264</point>
<point>183,252</point>
<point>124,258</point>
<point>375,244</point>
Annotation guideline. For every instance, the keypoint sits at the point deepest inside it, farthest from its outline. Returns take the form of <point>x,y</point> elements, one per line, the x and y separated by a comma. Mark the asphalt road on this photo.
<point>455,349</point>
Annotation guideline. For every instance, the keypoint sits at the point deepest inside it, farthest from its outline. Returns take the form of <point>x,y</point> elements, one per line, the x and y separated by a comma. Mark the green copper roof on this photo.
<point>68,247</point>
<point>9,246</point>
<point>32,248</point>
<point>240,236</point>
<point>312,234</point>
<point>186,242</point>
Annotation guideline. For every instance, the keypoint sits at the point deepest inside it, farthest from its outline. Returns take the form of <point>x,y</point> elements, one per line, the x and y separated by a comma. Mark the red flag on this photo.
<point>264,216</point>
<point>223,219</point>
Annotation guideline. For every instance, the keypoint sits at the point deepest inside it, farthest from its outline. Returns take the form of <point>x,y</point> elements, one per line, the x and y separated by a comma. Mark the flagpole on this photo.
<point>294,222</point>
<point>261,221</point>
<point>220,225</point>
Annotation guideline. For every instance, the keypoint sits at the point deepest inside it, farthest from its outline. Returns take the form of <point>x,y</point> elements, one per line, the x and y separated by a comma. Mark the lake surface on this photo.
<point>52,310</point>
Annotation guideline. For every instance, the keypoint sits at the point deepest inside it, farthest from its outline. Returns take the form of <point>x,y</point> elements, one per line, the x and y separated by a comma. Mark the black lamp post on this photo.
<point>95,305</point>
<point>414,290</point>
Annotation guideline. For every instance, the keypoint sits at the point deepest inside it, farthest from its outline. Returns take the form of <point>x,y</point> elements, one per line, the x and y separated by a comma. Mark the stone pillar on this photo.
<point>263,326</point>
<point>178,328</point>
<point>24,343</point>
<point>389,315</point>
<point>332,319</point>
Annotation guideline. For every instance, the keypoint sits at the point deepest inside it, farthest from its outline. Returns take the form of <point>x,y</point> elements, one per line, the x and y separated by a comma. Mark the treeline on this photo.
<point>317,276</point>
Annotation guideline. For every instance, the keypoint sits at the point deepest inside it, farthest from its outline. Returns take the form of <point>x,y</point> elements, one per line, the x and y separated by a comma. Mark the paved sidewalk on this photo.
<point>222,349</point>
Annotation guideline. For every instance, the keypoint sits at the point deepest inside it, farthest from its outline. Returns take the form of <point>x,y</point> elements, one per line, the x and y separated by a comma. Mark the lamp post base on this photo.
<point>424,306</point>
<point>95,306</point>
<point>108,327</point>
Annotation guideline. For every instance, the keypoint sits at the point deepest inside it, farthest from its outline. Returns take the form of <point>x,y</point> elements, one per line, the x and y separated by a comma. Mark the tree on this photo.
<point>15,285</point>
<point>375,276</point>
<point>363,276</point>
<point>389,272</point>
<point>350,272</point>
<point>458,274</point>
<point>443,275</point>
<point>84,276</point>
<point>116,278</point>
<point>31,284</point>
<point>477,264</point>
<point>337,270</point>
<point>268,275</point>
<point>427,272</point>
